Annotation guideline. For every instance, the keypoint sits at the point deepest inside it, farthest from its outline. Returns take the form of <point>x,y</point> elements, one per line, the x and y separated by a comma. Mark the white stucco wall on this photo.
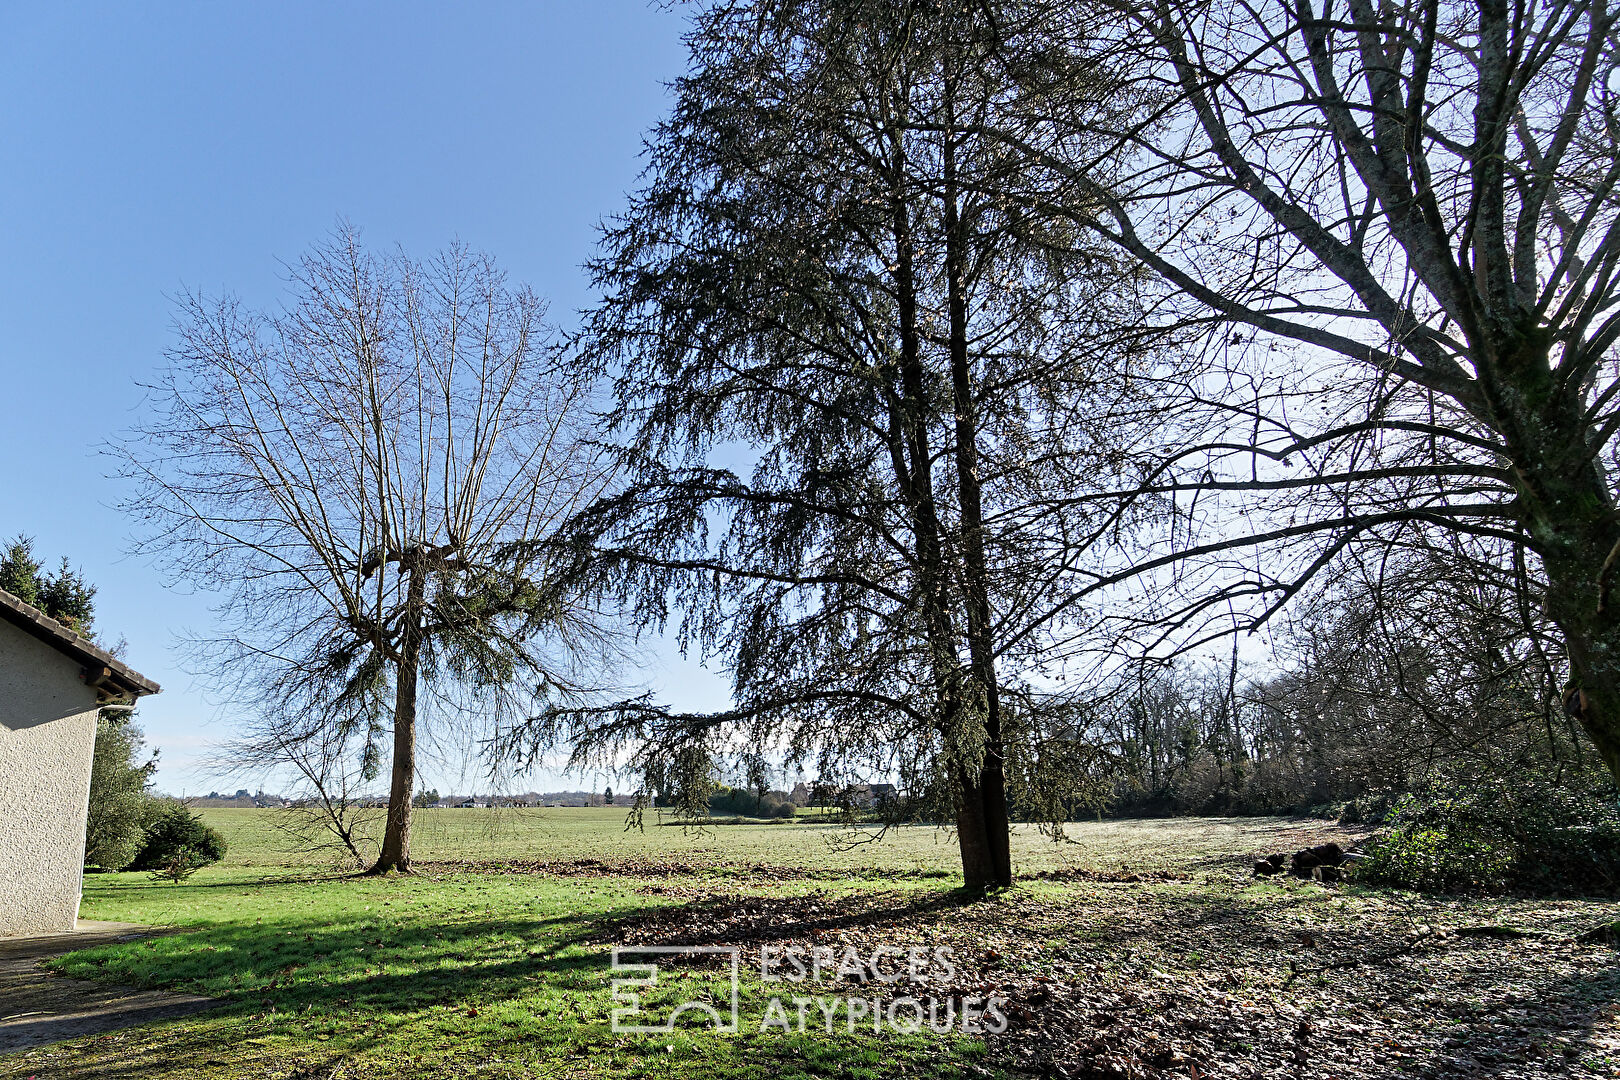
<point>47,738</point>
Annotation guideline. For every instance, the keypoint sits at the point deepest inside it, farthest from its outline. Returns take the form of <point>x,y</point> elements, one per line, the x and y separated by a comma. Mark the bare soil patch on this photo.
<point>38,1007</point>
<point>1216,976</point>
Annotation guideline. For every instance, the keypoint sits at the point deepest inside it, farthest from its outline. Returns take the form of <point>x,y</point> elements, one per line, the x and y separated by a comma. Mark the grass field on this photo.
<point>570,834</point>
<point>1138,949</point>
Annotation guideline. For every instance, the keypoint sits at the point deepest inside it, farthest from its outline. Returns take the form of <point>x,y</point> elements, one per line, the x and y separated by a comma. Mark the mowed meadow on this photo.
<point>1130,948</point>
<point>445,837</point>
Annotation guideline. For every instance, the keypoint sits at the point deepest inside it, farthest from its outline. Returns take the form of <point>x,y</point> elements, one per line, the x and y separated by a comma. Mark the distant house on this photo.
<point>878,794</point>
<point>867,796</point>
<point>864,796</point>
<point>52,685</point>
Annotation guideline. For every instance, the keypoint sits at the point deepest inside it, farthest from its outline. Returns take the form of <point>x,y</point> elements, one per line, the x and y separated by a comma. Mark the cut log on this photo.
<point>1328,854</point>
<point>1602,934</point>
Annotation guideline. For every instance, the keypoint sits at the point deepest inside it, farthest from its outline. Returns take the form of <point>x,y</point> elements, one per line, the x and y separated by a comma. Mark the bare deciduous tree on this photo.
<point>1401,225</point>
<point>359,475</point>
<point>328,810</point>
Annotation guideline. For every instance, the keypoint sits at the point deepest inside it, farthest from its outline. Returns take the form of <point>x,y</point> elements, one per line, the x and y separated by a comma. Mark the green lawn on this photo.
<point>488,974</point>
<point>470,967</point>
<point>571,834</point>
<point>1141,945</point>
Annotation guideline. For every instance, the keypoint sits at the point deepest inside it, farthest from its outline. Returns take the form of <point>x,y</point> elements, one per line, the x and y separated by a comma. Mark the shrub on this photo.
<point>1531,837</point>
<point>176,828</point>
<point>1434,860</point>
<point>742,802</point>
<point>179,865</point>
<point>1367,810</point>
<point>119,807</point>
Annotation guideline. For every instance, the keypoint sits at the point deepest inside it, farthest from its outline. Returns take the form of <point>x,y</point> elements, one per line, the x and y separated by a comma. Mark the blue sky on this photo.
<point>146,149</point>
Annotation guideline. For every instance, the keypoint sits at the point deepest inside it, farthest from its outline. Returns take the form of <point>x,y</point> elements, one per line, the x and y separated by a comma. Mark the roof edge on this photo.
<point>103,672</point>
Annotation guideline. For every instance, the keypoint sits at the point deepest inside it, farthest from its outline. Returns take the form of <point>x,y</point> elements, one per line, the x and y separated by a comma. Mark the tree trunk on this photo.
<point>989,795</point>
<point>989,864</point>
<point>1566,507</point>
<point>396,845</point>
<point>1595,662</point>
<point>1580,541</point>
<point>914,473</point>
<point>974,836</point>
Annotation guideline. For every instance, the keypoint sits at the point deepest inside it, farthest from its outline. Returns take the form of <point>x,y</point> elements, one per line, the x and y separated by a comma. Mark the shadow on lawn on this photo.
<point>146,881</point>
<point>384,987</point>
<point>1554,1028</point>
<point>385,962</point>
<point>379,963</point>
<point>387,978</point>
<point>301,963</point>
<point>402,993</point>
<point>753,920</point>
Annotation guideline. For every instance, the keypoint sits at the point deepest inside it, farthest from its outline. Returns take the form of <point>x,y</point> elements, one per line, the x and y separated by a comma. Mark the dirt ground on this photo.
<point>1210,972</point>
<point>39,1007</point>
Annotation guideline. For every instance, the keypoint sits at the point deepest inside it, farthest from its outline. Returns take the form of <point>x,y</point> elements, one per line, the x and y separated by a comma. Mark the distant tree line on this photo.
<point>747,802</point>
<point>1381,685</point>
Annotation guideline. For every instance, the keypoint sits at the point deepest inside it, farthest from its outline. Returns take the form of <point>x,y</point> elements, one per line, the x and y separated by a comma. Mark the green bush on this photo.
<point>742,802</point>
<point>1434,860</point>
<point>119,806</point>
<point>176,829</point>
<point>1530,837</point>
<point>1366,810</point>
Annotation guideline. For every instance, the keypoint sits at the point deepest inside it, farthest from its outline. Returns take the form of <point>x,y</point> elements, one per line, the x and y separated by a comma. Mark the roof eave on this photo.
<point>109,676</point>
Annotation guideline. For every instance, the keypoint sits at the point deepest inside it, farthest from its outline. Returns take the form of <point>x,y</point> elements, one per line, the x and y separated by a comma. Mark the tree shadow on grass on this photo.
<point>387,990</point>
<point>402,987</point>
<point>754,920</point>
<point>421,997</point>
<point>299,962</point>
<point>310,963</point>
<point>134,881</point>
<point>1555,1027</point>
